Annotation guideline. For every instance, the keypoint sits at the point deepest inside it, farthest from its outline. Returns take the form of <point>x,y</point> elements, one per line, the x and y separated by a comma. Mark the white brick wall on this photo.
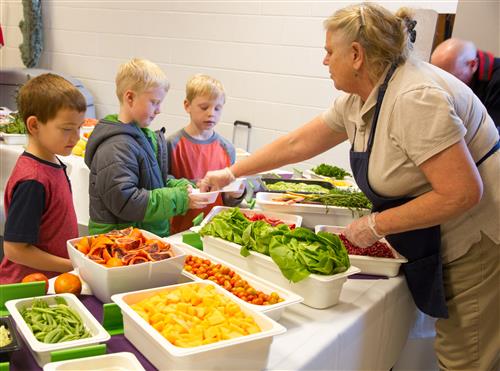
<point>268,55</point>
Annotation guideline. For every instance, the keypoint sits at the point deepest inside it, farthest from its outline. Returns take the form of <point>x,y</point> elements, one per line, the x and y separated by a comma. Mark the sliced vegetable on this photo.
<point>229,280</point>
<point>296,187</point>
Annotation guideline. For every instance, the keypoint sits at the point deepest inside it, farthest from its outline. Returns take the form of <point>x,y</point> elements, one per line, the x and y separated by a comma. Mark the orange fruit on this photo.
<point>68,282</point>
<point>114,262</point>
<point>34,277</point>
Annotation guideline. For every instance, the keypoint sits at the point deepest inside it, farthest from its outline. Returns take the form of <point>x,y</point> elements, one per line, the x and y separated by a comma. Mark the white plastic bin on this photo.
<point>370,265</point>
<point>123,361</point>
<point>317,290</point>
<point>41,351</point>
<point>273,311</point>
<point>105,282</point>
<point>13,138</point>
<point>248,352</point>
<point>312,215</point>
<point>284,217</point>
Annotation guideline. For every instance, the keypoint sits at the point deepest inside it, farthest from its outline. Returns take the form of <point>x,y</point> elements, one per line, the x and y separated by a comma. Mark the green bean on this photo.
<point>54,324</point>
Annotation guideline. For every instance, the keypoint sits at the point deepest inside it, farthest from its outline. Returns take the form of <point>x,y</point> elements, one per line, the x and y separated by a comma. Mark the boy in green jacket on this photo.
<point>129,183</point>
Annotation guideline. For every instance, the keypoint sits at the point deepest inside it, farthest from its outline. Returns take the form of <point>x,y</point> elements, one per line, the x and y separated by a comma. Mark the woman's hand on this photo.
<point>362,232</point>
<point>215,180</point>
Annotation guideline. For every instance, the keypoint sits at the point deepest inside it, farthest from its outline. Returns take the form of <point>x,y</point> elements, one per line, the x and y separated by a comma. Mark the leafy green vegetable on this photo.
<point>298,252</point>
<point>331,171</point>
<point>301,252</point>
<point>296,187</point>
<point>15,126</point>
<point>228,225</point>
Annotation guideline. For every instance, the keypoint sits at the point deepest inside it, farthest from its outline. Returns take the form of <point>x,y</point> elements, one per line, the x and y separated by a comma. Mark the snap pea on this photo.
<point>55,324</point>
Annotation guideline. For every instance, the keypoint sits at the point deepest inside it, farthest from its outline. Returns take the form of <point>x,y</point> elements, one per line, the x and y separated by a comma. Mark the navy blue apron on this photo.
<point>424,271</point>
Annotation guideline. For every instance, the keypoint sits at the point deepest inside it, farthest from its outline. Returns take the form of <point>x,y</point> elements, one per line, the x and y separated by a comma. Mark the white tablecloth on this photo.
<point>77,172</point>
<point>367,330</point>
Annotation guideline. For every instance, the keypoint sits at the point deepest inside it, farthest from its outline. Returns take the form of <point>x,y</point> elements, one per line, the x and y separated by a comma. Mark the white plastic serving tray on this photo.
<point>312,215</point>
<point>348,179</point>
<point>368,264</point>
<point>122,361</point>
<point>284,217</point>
<point>273,311</point>
<point>317,290</point>
<point>13,138</point>
<point>248,352</point>
<point>105,282</point>
<point>41,351</point>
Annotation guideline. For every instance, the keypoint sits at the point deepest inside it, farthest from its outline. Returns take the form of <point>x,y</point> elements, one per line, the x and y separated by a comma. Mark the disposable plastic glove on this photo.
<point>362,232</point>
<point>196,201</point>
<point>216,179</point>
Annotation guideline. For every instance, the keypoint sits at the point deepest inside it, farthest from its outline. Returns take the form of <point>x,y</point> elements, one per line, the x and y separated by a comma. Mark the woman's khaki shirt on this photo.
<point>425,111</point>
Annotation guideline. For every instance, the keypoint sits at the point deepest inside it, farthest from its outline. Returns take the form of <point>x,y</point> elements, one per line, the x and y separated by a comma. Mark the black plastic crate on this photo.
<point>7,350</point>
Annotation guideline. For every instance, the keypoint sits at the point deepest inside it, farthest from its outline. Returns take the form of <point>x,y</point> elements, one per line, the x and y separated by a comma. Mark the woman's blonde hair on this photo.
<point>139,75</point>
<point>204,85</point>
<point>387,38</point>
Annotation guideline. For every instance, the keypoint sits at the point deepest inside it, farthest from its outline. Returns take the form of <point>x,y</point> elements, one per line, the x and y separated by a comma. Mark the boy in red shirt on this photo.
<point>40,216</point>
<point>197,148</point>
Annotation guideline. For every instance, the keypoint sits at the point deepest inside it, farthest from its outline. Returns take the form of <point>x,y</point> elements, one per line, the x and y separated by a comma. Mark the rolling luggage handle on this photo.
<point>248,126</point>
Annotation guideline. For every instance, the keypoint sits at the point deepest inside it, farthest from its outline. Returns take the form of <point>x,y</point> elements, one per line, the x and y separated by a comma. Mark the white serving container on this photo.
<point>41,351</point>
<point>368,264</point>
<point>122,361</point>
<point>248,352</point>
<point>286,218</point>
<point>13,138</point>
<point>350,183</point>
<point>312,215</point>
<point>208,197</point>
<point>273,311</point>
<point>105,282</point>
<point>317,290</point>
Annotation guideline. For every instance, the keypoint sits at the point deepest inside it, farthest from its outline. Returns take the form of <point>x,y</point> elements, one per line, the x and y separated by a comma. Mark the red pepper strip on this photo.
<point>137,260</point>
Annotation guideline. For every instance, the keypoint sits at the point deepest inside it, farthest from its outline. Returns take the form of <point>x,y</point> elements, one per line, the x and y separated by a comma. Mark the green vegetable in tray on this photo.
<point>331,171</point>
<point>302,252</point>
<point>228,225</point>
<point>298,252</point>
<point>54,324</point>
<point>342,198</point>
<point>296,187</point>
<point>15,125</point>
<point>351,199</point>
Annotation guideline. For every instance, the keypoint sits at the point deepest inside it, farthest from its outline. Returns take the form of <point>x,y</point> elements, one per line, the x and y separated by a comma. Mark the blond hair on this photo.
<point>387,38</point>
<point>139,75</point>
<point>204,85</point>
<point>44,95</point>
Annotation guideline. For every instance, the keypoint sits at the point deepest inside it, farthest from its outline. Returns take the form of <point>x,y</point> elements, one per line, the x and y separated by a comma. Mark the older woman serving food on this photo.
<point>425,152</point>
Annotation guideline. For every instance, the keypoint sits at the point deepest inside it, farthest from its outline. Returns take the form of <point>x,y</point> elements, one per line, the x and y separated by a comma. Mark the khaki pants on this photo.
<point>470,338</point>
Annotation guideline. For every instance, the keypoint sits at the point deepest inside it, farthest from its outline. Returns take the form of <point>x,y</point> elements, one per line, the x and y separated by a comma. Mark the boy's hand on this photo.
<point>217,179</point>
<point>196,201</point>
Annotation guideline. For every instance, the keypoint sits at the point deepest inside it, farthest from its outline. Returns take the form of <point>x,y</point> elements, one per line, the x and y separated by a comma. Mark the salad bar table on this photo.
<point>366,330</point>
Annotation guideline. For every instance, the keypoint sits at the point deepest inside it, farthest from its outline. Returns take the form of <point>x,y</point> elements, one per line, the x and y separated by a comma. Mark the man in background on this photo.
<point>478,69</point>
